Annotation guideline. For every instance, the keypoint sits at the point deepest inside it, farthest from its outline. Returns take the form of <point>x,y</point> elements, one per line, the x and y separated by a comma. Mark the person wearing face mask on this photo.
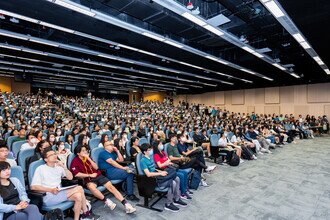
<point>32,142</point>
<point>164,179</point>
<point>163,163</point>
<point>62,152</point>
<point>58,134</point>
<point>51,139</point>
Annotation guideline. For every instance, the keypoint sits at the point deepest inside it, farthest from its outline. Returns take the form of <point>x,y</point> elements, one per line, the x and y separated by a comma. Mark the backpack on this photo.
<point>195,179</point>
<point>55,214</point>
<point>234,159</point>
<point>247,153</point>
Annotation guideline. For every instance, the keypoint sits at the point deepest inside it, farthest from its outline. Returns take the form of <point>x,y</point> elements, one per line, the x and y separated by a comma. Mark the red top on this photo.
<point>162,160</point>
<point>78,166</point>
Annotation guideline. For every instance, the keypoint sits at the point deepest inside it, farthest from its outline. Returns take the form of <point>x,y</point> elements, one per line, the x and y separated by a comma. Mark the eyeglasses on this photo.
<point>51,155</point>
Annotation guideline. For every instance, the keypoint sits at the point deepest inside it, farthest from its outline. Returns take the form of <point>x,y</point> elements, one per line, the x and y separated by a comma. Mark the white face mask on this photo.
<point>61,147</point>
<point>59,133</point>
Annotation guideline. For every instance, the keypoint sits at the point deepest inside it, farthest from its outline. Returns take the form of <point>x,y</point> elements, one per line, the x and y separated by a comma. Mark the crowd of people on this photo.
<point>179,140</point>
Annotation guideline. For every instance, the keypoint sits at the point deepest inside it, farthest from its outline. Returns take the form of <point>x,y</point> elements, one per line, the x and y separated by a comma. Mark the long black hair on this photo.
<point>156,150</point>
<point>3,166</point>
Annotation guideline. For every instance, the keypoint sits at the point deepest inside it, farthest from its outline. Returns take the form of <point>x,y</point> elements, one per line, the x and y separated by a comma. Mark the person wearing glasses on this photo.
<point>47,179</point>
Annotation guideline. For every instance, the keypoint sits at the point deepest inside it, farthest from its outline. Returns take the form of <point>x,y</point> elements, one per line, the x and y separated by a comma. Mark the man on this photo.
<point>83,167</point>
<point>32,142</point>
<point>4,152</point>
<point>183,162</point>
<point>259,141</point>
<point>47,179</point>
<point>109,160</point>
<point>21,136</point>
<point>201,140</point>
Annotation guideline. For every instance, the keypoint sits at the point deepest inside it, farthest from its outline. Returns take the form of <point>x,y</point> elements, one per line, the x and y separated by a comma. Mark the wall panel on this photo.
<point>219,98</point>
<point>272,95</point>
<point>272,109</point>
<point>317,93</point>
<point>237,97</point>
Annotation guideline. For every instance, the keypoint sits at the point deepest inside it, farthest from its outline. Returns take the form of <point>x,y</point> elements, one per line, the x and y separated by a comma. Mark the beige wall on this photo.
<point>311,99</point>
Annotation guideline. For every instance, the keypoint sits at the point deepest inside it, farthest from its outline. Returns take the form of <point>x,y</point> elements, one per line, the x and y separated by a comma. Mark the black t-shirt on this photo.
<point>12,197</point>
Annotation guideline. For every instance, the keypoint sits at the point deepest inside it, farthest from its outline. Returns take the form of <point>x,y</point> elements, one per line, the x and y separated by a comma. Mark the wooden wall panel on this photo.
<point>250,109</point>
<point>272,95</point>
<point>219,98</point>
<point>327,110</point>
<point>301,110</point>
<point>238,97</point>
<point>300,94</point>
<point>260,96</point>
<point>249,96</point>
<point>317,93</point>
<point>272,109</point>
<point>286,95</point>
<point>228,97</point>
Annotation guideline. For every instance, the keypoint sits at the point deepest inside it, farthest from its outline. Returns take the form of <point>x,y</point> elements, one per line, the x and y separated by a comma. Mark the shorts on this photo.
<point>99,180</point>
<point>51,199</point>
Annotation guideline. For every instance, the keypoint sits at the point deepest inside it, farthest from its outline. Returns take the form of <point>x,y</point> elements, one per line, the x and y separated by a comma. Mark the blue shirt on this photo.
<point>147,164</point>
<point>102,162</point>
<point>182,147</point>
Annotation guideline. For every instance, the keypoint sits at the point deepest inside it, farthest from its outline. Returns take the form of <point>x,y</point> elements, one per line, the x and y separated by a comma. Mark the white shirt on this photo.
<point>222,142</point>
<point>48,176</point>
<point>233,139</point>
<point>12,162</point>
<point>27,146</point>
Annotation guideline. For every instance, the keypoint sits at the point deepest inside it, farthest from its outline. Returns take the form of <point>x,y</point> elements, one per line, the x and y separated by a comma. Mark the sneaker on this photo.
<point>268,151</point>
<point>204,183</point>
<point>129,208</point>
<point>86,216</point>
<point>180,203</point>
<point>210,168</point>
<point>171,207</point>
<point>189,192</point>
<point>255,157</point>
<point>241,160</point>
<point>186,197</point>
<point>263,150</point>
<point>259,152</point>
<point>132,198</point>
<point>110,204</point>
<point>312,136</point>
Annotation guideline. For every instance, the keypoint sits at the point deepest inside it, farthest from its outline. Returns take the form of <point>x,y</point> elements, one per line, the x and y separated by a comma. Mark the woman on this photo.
<point>69,139</point>
<point>120,146</point>
<point>134,148</point>
<point>104,138</point>
<point>14,203</point>
<point>38,134</point>
<point>83,167</point>
<point>83,141</point>
<point>58,134</point>
<point>173,194</point>
<point>163,162</point>
<point>51,139</point>
<point>62,152</point>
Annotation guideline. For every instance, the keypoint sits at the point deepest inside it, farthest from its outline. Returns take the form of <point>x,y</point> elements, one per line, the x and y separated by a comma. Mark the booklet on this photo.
<point>66,187</point>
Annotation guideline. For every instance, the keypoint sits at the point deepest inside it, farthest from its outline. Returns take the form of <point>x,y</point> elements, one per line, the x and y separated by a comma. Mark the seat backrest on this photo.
<point>143,141</point>
<point>165,148</point>
<point>10,141</point>
<point>62,138</point>
<point>22,155</point>
<point>74,145</point>
<point>17,146</point>
<point>69,160</point>
<point>109,133</point>
<point>96,153</point>
<point>230,135</point>
<point>94,143</point>
<point>128,148</point>
<point>138,163</point>
<point>33,166</point>
<point>76,137</point>
<point>94,134</point>
<point>17,172</point>
<point>214,140</point>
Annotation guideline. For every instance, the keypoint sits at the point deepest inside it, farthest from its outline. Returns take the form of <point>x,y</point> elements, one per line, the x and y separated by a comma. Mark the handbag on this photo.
<point>171,175</point>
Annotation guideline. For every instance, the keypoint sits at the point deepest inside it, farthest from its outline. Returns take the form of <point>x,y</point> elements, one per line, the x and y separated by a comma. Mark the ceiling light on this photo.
<point>57,27</point>
<point>13,35</point>
<point>127,47</point>
<point>173,43</point>
<point>148,53</point>
<point>298,37</point>
<point>44,42</point>
<point>274,9</point>
<point>279,66</point>
<point>258,54</point>
<point>248,49</point>
<point>305,45</point>
<point>265,77</point>
<point>211,58</point>
<point>9,47</point>
<point>2,17</point>
<point>327,71</point>
<point>317,58</point>
<point>214,30</point>
<point>193,18</point>
<point>156,37</point>
<point>295,75</point>
<point>75,7</point>
<point>248,71</point>
<point>320,62</point>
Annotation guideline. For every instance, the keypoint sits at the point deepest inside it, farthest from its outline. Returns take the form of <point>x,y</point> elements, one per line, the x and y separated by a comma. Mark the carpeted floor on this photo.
<point>292,183</point>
